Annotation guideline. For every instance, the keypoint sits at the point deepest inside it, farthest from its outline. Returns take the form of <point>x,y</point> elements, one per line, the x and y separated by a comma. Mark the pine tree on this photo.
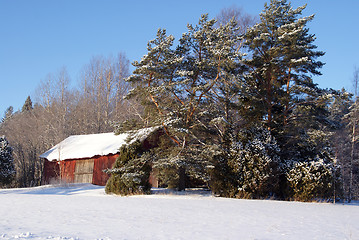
<point>311,180</point>
<point>283,57</point>
<point>8,114</point>
<point>308,149</point>
<point>7,169</point>
<point>186,88</point>
<point>131,171</point>
<point>250,167</point>
<point>279,91</point>
<point>27,105</point>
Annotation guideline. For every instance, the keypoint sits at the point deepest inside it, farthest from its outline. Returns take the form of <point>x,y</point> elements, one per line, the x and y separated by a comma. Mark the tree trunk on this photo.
<point>182,179</point>
<point>351,164</point>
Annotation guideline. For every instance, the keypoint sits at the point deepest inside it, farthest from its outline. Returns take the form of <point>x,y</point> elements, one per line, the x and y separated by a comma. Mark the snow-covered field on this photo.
<point>85,212</point>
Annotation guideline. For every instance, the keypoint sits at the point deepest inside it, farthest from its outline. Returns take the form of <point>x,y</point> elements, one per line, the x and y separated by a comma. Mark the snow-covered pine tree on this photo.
<point>311,180</point>
<point>184,88</point>
<point>254,157</point>
<point>248,166</point>
<point>279,89</point>
<point>308,149</point>
<point>131,171</point>
<point>283,58</point>
<point>7,168</point>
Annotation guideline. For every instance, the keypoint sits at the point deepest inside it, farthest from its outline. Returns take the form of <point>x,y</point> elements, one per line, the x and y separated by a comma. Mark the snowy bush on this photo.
<point>131,172</point>
<point>223,180</point>
<point>7,169</point>
<point>310,180</point>
<point>255,158</point>
<point>250,167</point>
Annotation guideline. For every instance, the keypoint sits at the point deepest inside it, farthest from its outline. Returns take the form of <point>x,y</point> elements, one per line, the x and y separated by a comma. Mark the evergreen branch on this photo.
<point>189,116</point>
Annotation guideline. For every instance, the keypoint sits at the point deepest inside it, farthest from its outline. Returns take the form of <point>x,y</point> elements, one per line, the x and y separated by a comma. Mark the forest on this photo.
<point>235,98</point>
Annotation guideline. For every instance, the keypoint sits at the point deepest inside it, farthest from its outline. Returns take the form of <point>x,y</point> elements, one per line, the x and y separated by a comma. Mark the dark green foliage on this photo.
<point>179,167</point>
<point>168,177</point>
<point>256,157</point>
<point>310,181</point>
<point>27,105</point>
<point>7,169</point>
<point>283,59</point>
<point>250,168</point>
<point>309,155</point>
<point>127,125</point>
<point>252,126</point>
<point>131,171</point>
<point>185,89</point>
<point>8,114</point>
<point>223,179</point>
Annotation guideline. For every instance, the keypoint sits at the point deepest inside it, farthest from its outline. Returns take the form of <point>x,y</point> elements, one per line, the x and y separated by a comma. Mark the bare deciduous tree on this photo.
<point>60,111</point>
<point>243,19</point>
<point>354,121</point>
<point>101,92</point>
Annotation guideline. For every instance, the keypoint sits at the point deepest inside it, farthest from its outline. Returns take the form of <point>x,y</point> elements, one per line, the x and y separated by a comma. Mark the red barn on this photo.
<point>82,158</point>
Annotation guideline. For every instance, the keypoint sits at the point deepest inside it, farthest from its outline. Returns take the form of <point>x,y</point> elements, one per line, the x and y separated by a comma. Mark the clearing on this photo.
<point>84,211</point>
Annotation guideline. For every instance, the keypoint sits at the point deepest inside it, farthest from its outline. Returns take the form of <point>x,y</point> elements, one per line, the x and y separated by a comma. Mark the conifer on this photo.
<point>7,168</point>
<point>282,63</point>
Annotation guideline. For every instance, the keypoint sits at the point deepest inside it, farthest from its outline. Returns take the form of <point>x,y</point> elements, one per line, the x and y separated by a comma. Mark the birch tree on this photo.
<point>353,117</point>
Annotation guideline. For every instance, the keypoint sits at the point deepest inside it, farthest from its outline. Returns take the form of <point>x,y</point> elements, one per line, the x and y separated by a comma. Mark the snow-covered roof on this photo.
<point>87,146</point>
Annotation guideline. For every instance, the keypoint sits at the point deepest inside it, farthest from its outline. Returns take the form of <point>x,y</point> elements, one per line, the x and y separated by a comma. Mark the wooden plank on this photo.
<point>102,163</point>
<point>67,169</point>
<point>84,171</point>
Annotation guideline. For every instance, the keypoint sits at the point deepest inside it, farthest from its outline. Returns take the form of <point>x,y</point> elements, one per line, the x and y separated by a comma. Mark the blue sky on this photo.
<point>38,37</point>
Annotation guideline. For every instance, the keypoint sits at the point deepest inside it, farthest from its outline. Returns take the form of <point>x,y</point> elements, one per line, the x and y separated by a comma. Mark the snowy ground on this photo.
<point>85,212</point>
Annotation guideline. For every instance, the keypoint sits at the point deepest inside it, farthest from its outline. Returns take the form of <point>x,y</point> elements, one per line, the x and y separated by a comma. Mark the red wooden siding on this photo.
<point>101,163</point>
<point>67,168</point>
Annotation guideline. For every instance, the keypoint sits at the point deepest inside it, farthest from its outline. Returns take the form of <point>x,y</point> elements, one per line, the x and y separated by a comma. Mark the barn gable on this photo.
<point>82,158</point>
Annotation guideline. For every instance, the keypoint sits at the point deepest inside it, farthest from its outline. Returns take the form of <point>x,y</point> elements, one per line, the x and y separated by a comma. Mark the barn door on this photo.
<point>84,171</point>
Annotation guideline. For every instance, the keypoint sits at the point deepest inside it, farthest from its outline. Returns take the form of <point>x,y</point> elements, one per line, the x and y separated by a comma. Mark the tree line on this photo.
<point>61,110</point>
<point>240,111</point>
<point>236,101</point>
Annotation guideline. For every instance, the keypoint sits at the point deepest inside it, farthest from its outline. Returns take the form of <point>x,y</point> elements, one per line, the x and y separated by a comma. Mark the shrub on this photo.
<point>309,181</point>
<point>249,168</point>
<point>131,171</point>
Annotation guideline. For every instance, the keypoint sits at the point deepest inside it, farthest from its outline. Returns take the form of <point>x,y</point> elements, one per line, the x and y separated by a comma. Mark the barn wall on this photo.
<point>51,172</point>
<point>84,171</point>
<point>152,140</point>
<point>101,163</point>
<point>67,168</point>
